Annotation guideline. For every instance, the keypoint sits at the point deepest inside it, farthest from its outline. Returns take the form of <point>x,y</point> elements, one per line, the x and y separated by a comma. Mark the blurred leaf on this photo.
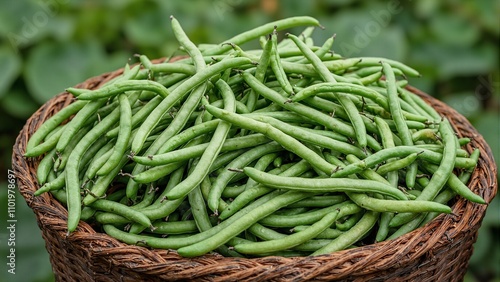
<point>488,125</point>
<point>53,67</point>
<point>149,28</point>
<point>467,104</point>
<point>454,60</point>
<point>61,27</point>
<point>453,29</point>
<point>11,66</point>
<point>486,12</point>
<point>391,43</point>
<point>24,23</point>
<point>293,7</point>
<point>18,104</point>
<point>13,15</point>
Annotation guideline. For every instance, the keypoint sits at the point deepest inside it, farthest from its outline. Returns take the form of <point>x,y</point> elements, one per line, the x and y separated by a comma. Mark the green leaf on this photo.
<point>149,28</point>
<point>467,103</point>
<point>11,66</point>
<point>488,125</point>
<point>18,105</point>
<point>52,67</point>
<point>447,61</point>
<point>452,29</point>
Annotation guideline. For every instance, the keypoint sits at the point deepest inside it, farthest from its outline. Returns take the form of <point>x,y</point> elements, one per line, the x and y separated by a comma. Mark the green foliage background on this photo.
<point>48,45</point>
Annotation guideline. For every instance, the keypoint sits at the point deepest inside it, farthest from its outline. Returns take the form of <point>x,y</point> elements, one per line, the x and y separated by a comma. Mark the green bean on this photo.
<point>322,51</point>
<point>200,214</point>
<point>273,220</point>
<point>317,139</point>
<point>122,139</point>
<point>179,92</point>
<point>63,157</point>
<point>261,164</point>
<point>188,134</point>
<point>243,223</point>
<point>174,178</point>
<point>101,184</point>
<point>319,201</point>
<point>349,237</point>
<point>367,173</point>
<point>276,66</point>
<point>319,185</point>
<point>99,160</point>
<point>380,205</point>
<point>344,224</point>
<point>175,227</point>
<point>288,142</point>
<point>397,116</point>
<point>328,233</point>
<point>259,190</point>
<point>167,67</point>
<point>185,42</point>
<point>383,226</point>
<point>45,166</point>
<point>122,210</point>
<point>399,151</point>
<point>305,111</point>
<point>397,164</point>
<point>173,128</point>
<point>157,172</point>
<point>197,150</point>
<point>260,73</point>
<point>147,197</point>
<point>77,122</point>
<point>49,125</point>
<point>291,240</point>
<point>373,61</point>
<point>121,87</point>
<point>262,30</point>
<point>223,179</point>
<point>332,66</point>
<point>211,152</point>
<point>72,168</point>
<point>347,104</point>
<point>425,134</point>
<point>175,243</point>
<point>388,142</point>
<point>341,87</point>
<point>52,185</point>
<point>408,227</point>
<point>138,116</point>
<point>440,176</point>
<point>455,184</point>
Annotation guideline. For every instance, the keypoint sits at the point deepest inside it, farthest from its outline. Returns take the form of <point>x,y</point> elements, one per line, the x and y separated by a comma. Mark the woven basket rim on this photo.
<point>441,231</point>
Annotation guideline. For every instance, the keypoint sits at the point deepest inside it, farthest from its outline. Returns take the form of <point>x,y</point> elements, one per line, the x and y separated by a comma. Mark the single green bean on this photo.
<point>323,184</point>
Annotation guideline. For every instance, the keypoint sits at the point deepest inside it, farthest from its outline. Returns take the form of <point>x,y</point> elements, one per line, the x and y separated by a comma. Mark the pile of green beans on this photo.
<point>288,150</point>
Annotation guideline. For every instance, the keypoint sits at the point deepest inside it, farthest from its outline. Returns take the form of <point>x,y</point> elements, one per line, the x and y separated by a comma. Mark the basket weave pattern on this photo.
<point>439,251</point>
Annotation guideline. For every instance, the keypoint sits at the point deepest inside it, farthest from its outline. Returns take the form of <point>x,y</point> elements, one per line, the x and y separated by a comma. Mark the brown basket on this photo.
<point>439,251</point>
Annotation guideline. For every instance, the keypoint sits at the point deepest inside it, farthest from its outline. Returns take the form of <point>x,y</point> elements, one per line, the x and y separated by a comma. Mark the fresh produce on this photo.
<point>288,150</point>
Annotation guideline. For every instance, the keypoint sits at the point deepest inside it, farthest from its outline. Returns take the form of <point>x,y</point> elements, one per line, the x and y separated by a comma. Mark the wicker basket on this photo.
<point>439,251</point>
